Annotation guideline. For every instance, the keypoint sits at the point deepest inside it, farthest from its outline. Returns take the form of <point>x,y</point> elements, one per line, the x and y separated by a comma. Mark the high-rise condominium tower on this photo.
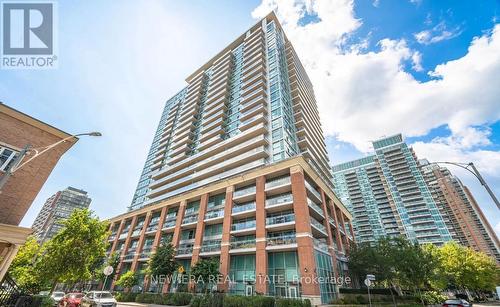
<point>251,105</point>
<point>238,171</point>
<point>464,218</point>
<point>388,196</point>
<point>57,208</point>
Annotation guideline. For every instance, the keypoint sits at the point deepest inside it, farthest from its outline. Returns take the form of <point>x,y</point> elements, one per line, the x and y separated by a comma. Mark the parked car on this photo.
<point>71,300</point>
<point>98,299</point>
<point>57,296</point>
<point>456,303</point>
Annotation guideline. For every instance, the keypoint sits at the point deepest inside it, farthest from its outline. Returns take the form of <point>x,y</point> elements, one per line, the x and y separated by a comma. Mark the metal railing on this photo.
<point>281,219</point>
<point>243,225</point>
<point>244,207</point>
<point>245,191</point>
<point>282,240</point>
<point>243,244</point>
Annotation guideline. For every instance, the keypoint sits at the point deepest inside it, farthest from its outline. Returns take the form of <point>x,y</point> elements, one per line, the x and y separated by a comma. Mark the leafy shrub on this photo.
<point>248,301</point>
<point>45,300</point>
<point>360,299</point>
<point>384,291</point>
<point>209,300</point>
<point>432,297</point>
<point>125,297</point>
<point>290,302</point>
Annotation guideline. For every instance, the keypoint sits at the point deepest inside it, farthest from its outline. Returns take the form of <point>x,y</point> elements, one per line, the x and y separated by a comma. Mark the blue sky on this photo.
<point>378,68</point>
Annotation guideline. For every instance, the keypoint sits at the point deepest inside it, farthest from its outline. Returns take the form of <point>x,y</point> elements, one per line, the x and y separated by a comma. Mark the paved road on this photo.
<point>496,304</point>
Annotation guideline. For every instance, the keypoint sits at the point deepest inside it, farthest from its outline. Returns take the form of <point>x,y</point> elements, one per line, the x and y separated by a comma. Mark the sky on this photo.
<point>427,69</point>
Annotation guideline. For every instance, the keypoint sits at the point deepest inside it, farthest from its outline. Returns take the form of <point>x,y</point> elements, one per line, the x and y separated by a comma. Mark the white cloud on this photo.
<point>437,34</point>
<point>365,95</point>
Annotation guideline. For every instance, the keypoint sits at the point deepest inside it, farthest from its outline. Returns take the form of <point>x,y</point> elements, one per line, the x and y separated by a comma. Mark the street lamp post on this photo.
<point>473,170</point>
<point>17,163</point>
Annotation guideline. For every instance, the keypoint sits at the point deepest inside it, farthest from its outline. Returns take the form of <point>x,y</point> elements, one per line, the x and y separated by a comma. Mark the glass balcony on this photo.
<point>245,191</point>
<point>282,199</point>
<point>243,244</point>
<point>313,190</point>
<point>129,257</point>
<point>243,225</point>
<point>214,214</point>
<point>136,232</point>
<point>244,207</point>
<point>190,219</point>
<point>152,228</point>
<point>210,247</point>
<point>315,207</point>
<point>282,239</point>
<point>278,182</point>
<point>332,221</point>
<point>185,250</point>
<point>281,219</point>
<point>112,237</point>
<point>170,223</point>
<point>318,225</point>
<point>320,244</point>
<point>123,235</point>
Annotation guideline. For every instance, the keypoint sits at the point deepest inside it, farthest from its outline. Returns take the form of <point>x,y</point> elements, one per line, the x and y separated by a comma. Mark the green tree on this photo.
<point>162,263</point>
<point>465,268</point>
<point>113,260</point>
<point>127,280</point>
<point>73,253</point>
<point>25,268</point>
<point>206,272</point>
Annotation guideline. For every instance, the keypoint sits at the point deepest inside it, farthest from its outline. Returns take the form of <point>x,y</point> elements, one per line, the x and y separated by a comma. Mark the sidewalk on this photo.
<point>131,304</point>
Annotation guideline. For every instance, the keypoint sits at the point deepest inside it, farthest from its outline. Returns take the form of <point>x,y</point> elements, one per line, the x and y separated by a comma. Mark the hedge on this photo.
<point>173,299</point>
<point>248,301</point>
<point>384,291</point>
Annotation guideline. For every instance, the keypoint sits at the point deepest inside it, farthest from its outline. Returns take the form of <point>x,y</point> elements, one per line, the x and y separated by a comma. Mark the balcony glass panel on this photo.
<point>318,225</point>
<point>320,244</point>
<point>315,207</point>
<point>281,238</point>
<point>190,219</point>
<point>278,182</point>
<point>280,219</point>
<point>185,250</point>
<point>244,207</point>
<point>211,246</point>
<point>214,214</point>
<point>281,199</point>
<point>243,225</point>
<point>244,191</point>
<point>243,242</point>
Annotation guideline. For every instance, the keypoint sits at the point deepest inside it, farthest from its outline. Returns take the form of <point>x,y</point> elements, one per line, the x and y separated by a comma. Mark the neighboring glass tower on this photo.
<point>249,106</point>
<point>404,203</point>
<point>57,208</point>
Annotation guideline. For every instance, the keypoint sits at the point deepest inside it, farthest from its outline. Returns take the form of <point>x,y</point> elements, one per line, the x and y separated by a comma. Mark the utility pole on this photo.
<point>12,166</point>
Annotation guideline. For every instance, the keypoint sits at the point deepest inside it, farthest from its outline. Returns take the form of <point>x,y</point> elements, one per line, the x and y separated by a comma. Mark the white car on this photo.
<point>98,299</point>
<point>57,296</point>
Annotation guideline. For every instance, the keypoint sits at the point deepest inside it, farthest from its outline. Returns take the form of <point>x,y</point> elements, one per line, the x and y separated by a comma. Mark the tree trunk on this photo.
<point>52,287</point>
<point>393,298</point>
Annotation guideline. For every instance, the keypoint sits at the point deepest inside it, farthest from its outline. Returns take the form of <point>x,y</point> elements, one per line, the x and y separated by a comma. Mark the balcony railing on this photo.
<point>213,247</point>
<point>244,207</point>
<point>190,219</point>
<point>185,250</point>
<point>136,232</point>
<point>243,244</point>
<point>152,228</point>
<point>318,225</point>
<point>243,225</point>
<point>129,257</point>
<point>281,240</point>
<point>279,200</point>
<point>313,190</point>
<point>278,182</point>
<point>170,223</point>
<point>280,219</point>
<point>245,191</point>
<point>320,244</point>
<point>214,214</point>
<point>315,207</point>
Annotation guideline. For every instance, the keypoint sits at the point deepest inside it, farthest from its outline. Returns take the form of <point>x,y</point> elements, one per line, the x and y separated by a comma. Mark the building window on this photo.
<point>7,157</point>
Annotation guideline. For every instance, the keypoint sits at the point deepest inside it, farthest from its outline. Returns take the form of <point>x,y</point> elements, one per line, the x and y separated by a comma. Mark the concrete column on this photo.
<point>331,249</point>
<point>8,258</point>
<point>125,248</point>
<point>141,241</point>
<point>260,236</point>
<point>200,227</point>
<point>226,238</point>
<point>157,240</point>
<point>118,233</point>
<point>305,246</point>
<point>177,235</point>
